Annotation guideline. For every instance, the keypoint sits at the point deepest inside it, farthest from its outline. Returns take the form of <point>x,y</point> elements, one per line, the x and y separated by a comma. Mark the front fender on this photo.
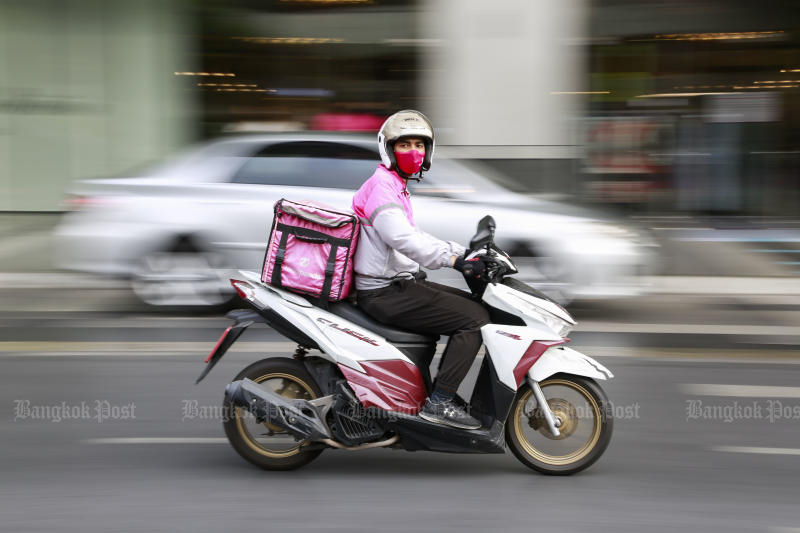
<point>560,359</point>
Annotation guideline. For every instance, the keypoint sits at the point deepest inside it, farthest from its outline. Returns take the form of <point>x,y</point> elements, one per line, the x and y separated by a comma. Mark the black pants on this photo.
<point>425,307</point>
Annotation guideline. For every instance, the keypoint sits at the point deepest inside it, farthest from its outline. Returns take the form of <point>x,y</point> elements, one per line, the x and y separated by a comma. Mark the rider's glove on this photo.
<point>472,268</point>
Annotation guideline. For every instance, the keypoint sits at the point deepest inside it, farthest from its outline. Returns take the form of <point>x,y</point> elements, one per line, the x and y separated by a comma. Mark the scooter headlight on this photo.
<point>559,325</point>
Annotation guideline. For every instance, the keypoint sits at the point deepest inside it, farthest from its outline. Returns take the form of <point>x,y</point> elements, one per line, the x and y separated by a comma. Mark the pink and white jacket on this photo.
<point>389,244</point>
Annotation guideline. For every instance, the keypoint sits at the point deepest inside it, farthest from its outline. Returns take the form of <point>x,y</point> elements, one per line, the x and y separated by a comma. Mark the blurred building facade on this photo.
<point>87,90</point>
<point>107,86</point>
<point>695,107</point>
<point>502,82</point>
<point>641,105</point>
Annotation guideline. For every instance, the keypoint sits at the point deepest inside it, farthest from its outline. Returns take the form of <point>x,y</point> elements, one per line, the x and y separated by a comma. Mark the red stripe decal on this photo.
<point>224,334</point>
<point>531,355</point>
<point>392,385</point>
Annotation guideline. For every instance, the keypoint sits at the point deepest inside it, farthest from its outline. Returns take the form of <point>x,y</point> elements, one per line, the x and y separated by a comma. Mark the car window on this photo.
<point>199,162</point>
<point>309,164</point>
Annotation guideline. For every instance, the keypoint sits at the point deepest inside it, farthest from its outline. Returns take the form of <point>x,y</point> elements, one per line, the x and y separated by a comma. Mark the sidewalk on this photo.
<point>26,243</point>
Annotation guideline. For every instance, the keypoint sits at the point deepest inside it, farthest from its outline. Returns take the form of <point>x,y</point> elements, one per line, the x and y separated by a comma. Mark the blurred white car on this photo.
<point>175,230</point>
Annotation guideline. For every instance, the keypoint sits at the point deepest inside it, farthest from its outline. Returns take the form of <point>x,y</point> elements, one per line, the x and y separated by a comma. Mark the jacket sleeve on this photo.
<point>394,229</point>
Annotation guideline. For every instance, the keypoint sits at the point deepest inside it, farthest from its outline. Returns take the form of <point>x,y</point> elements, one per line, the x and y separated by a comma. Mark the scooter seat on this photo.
<point>355,315</point>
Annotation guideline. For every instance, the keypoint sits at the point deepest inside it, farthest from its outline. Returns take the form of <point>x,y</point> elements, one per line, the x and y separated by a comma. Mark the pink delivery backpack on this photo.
<point>310,250</point>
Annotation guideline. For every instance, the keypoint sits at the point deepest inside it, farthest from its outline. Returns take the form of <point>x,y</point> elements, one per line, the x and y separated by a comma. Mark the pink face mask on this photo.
<point>409,162</point>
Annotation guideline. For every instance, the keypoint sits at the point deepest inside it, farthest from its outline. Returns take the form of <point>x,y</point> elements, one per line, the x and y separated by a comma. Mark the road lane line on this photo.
<point>721,285</point>
<point>739,391</point>
<point>693,355</point>
<point>756,450</point>
<point>200,349</point>
<point>59,280</point>
<point>132,322</point>
<point>588,326</point>
<point>158,440</point>
<point>699,285</point>
<point>143,348</point>
<point>686,329</point>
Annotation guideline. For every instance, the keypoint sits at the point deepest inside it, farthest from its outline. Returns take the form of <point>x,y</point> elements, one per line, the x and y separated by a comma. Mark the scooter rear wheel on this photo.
<point>586,423</point>
<point>264,444</point>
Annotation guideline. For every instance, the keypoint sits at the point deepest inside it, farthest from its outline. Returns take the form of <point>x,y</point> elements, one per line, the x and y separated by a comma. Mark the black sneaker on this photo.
<point>448,413</point>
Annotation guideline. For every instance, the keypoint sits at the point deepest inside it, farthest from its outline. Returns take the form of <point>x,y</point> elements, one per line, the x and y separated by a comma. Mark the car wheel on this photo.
<point>183,277</point>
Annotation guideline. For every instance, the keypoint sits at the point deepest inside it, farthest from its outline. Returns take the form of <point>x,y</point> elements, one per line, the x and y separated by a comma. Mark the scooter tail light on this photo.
<point>243,289</point>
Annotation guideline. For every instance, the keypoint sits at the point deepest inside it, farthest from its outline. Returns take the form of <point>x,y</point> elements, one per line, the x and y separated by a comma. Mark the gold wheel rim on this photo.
<point>248,438</point>
<point>557,460</point>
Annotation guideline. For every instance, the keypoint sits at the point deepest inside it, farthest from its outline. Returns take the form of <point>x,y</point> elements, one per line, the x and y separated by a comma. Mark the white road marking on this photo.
<point>739,391</point>
<point>681,228</point>
<point>58,280</point>
<point>199,350</point>
<point>139,321</point>
<point>686,329</point>
<point>136,322</point>
<point>79,321</point>
<point>726,360</point>
<point>721,285</point>
<point>135,348</point>
<point>757,450</point>
<point>707,285</point>
<point>158,440</point>
<point>693,355</point>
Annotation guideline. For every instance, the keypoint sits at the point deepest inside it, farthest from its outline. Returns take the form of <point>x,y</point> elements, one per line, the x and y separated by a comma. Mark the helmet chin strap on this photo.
<point>407,176</point>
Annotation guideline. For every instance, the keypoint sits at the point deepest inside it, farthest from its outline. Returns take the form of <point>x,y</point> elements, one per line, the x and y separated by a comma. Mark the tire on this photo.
<point>183,277</point>
<point>587,430</point>
<point>288,454</point>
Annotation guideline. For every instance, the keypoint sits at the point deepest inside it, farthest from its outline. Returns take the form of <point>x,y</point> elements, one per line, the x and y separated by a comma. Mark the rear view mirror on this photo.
<point>484,234</point>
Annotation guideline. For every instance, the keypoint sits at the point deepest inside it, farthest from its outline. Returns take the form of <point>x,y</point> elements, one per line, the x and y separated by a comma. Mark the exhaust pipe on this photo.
<point>298,417</point>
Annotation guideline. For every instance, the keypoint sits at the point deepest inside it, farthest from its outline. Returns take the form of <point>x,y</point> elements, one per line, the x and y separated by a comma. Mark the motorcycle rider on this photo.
<point>391,249</point>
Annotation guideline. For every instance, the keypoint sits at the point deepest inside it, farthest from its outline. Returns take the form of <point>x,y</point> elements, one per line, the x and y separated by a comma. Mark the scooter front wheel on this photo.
<point>584,421</point>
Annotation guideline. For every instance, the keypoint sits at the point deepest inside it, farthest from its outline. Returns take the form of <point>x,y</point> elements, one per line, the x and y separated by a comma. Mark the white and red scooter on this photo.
<point>364,382</point>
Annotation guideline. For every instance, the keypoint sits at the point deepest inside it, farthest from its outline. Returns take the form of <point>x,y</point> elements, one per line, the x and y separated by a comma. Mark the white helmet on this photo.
<point>405,123</point>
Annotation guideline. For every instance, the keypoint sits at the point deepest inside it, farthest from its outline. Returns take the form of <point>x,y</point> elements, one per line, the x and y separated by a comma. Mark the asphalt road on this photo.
<point>708,437</point>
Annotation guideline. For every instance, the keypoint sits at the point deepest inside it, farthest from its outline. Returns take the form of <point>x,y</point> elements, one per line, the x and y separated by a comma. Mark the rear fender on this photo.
<point>560,359</point>
<point>243,319</point>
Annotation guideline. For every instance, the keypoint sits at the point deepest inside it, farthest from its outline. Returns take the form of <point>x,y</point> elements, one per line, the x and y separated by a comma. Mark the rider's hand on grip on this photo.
<point>471,268</point>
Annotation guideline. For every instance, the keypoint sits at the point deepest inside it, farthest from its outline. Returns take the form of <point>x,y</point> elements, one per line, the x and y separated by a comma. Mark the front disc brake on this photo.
<point>563,412</point>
